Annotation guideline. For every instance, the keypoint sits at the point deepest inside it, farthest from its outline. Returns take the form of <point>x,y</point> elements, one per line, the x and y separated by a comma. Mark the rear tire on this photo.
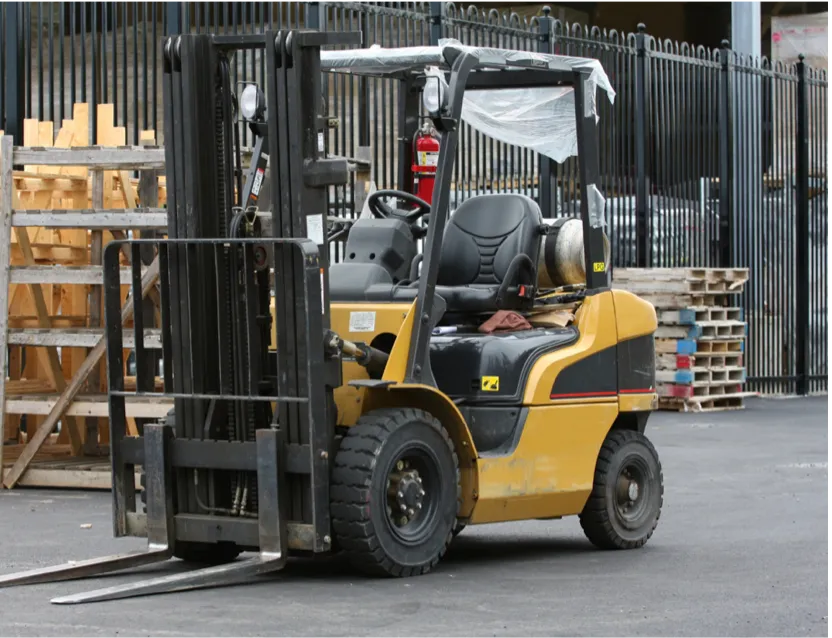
<point>625,504</point>
<point>395,492</point>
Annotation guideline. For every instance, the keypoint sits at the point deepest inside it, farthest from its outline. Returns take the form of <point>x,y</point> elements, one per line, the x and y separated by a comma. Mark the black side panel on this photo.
<point>637,365</point>
<point>493,427</point>
<point>627,368</point>
<point>492,368</point>
<point>592,376</point>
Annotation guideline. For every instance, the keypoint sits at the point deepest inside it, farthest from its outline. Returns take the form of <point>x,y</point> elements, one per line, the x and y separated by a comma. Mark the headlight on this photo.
<point>252,102</point>
<point>432,95</point>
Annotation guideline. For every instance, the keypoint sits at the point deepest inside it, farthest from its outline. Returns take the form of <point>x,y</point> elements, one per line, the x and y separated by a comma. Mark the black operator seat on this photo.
<point>488,260</point>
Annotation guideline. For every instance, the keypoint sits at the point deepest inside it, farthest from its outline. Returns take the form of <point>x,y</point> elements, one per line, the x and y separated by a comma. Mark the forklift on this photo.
<point>359,407</point>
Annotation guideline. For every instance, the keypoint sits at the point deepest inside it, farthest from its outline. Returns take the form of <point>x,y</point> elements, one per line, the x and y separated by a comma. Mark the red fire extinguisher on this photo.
<point>426,157</point>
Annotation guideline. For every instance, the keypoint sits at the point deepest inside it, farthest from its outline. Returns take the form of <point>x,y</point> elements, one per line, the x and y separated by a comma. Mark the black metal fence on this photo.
<point>708,158</point>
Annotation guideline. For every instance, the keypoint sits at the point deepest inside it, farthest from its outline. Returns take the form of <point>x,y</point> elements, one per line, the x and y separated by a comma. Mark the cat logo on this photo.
<point>598,266</point>
<point>490,384</point>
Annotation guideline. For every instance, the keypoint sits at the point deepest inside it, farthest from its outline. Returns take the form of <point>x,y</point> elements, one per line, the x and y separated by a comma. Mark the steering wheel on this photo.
<point>383,211</point>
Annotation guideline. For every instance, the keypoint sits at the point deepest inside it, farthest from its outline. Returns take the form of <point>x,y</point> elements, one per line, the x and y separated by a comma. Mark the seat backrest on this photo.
<point>484,234</point>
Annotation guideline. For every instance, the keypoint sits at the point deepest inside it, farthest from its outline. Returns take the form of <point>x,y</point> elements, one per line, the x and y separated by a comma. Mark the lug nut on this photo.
<point>410,512</point>
<point>400,495</point>
<point>403,507</point>
<point>419,480</point>
<point>421,492</point>
<point>418,506</point>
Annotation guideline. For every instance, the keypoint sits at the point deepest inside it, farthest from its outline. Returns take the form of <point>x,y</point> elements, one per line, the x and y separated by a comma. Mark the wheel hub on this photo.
<point>405,494</point>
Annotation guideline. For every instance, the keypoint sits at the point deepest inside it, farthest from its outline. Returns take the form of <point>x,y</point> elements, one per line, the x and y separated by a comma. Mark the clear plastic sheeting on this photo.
<point>539,119</point>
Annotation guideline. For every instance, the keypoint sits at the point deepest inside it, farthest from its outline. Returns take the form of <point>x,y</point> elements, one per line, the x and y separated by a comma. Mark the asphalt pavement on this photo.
<point>740,550</point>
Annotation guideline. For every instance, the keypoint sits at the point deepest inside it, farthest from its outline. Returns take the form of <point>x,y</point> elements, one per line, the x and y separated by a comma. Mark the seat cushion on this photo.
<point>483,236</point>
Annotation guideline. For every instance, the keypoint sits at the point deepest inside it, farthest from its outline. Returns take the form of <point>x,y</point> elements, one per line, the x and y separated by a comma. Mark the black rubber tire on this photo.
<point>458,527</point>
<point>358,492</point>
<point>600,519</point>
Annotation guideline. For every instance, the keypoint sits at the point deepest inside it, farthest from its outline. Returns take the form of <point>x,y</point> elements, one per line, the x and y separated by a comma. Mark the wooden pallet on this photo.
<point>699,314</point>
<point>699,347</point>
<point>704,331</point>
<point>702,375</point>
<point>57,468</point>
<point>75,344</point>
<point>699,359</point>
<point>707,404</point>
<point>673,301</point>
<point>697,389</point>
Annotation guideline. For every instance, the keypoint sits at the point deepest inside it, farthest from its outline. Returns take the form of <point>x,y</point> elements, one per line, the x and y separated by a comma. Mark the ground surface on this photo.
<point>741,549</point>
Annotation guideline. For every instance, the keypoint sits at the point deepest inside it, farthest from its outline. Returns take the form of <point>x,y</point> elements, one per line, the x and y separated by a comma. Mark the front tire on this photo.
<point>395,492</point>
<point>624,506</point>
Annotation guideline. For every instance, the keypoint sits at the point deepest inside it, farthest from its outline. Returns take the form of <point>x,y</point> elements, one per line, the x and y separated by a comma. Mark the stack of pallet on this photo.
<point>58,213</point>
<point>700,341</point>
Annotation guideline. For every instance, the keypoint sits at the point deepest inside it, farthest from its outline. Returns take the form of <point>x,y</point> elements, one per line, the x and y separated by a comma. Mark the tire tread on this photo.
<point>594,518</point>
<point>350,491</point>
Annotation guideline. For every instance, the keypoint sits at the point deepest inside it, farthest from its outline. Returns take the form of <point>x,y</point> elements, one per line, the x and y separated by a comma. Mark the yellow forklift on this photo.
<point>364,407</point>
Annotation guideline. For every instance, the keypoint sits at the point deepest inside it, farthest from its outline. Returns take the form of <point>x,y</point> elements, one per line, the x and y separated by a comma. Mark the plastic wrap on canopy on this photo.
<point>539,119</point>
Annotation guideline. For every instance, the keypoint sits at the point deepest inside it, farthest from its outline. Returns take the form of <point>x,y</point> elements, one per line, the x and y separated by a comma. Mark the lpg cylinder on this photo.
<point>561,260</point>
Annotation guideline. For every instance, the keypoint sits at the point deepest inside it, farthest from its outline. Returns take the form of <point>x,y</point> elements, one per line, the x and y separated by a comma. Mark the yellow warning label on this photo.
<point>491,384</point>
<point>598,266</point>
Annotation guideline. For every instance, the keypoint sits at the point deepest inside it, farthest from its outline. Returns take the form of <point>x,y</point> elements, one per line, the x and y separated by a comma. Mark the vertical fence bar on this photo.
<point>726,226</point>
<point>437,13</point>
<point>546,168</point>
<point>173,14</point>
<point>643,243</point>
<point>15,84</point>
<point>313,15</point>
<point>802,246</point>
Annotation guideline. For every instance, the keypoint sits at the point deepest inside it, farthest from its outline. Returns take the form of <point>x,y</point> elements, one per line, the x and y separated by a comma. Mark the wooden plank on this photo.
<point>66,478</point>
<point>79,125</point>
<point>155,218</point>
<point>87,405</point>
<point>107,158</point>
<point>87,275</point>
<point>31,137</point>
<point>46,137</point>
<point>6,204</point>
<point>95,306</point>
<point>75,385</point>
<point>76,337</point>
<point>57,321</point>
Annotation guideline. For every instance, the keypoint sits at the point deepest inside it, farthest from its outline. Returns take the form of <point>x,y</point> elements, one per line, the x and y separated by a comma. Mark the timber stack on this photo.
<point>700,340</point>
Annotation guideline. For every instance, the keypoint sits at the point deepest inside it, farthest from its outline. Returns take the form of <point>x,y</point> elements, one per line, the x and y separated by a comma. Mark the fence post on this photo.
<point>643,243</point>
<point>174,18</point>
<point>726,151</point>
<point>14,104</point>
<point>802,316</point>
<point>437,13</point>
<point>546,166</point>
<point>313,16</point>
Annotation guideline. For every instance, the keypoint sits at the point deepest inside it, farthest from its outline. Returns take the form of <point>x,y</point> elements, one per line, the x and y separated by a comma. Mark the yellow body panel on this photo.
<point>597,329</point>
<point>550,473</point>
<point>634,316</point>
<point>387,319</point>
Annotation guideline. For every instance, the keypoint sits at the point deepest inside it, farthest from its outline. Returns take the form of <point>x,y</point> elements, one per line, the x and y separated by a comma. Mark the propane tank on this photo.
<point>425,160</point>
<point>561,260</point>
